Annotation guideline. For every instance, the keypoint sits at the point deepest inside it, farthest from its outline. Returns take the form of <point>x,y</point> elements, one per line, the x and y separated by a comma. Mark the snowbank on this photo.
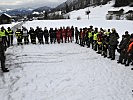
<point>9,25</point>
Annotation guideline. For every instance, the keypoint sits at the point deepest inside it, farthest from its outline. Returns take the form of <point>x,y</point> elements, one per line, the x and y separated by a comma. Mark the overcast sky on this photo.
<point>29,3</point>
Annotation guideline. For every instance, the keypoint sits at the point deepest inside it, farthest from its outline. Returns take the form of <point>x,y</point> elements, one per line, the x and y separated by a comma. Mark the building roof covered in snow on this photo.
<point>6,15</point>
<point>37,13</point>
<point>5,19</point>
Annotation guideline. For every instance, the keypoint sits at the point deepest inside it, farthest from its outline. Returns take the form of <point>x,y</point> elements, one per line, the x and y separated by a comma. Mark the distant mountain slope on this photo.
<point>79,4</point>
<point>21,11</point>
<point>41,9</point>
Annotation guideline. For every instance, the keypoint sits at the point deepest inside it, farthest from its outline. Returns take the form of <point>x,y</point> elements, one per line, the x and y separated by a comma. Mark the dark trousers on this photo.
<point>112,49</point>
<point>2,60</point>
<point>19,41</point>
<point>46,40</point>
<point>10,40</point>
<point>77,41</point>
<point>129,59</point>
<point>122,56</point>
<point>105,50</point>
<point>33,40</point>
<point>51,40</point>
<point>54,39</point>
<point>95,45</point>
<point>41,40</point>
<point>88,42</point>
<point>5,42</point>
<point>83,42</point>
<point>99,48</point>
<point>26,40</point>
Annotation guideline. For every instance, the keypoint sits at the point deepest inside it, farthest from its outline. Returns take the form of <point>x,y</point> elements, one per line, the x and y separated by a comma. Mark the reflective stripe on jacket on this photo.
<point>10,32</point>
<point>130,47</point>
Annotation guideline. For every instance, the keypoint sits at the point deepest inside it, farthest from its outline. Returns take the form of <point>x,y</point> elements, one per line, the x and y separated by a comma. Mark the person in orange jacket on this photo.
<point>130,51</point>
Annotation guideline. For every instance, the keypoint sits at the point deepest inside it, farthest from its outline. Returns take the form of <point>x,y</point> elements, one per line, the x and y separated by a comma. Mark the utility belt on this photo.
<point>99,43</point>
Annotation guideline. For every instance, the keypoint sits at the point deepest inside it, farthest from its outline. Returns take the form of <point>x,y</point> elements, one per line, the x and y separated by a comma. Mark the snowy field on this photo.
<point>63,72</point>
<point>66,71</point>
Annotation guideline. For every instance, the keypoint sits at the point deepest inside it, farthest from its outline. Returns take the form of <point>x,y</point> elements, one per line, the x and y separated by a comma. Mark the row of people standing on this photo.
<point>105,42</point>
<point>54,35</point>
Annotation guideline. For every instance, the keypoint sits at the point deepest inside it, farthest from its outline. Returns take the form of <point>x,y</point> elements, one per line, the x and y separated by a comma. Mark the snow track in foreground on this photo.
<point>63,72</point>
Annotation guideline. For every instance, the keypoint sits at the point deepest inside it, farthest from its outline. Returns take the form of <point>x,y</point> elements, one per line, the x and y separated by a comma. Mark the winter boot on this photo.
<point>126,65</point>
<point>5,70</point>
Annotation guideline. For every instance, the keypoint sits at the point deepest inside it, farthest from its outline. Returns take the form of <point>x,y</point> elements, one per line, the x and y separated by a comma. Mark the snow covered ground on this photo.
<point>66,71</point>
<point>63,72</point>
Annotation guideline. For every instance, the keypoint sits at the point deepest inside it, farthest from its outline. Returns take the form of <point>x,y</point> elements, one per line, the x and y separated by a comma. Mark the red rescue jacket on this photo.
<point>58,34</point>
<point>69,33</point>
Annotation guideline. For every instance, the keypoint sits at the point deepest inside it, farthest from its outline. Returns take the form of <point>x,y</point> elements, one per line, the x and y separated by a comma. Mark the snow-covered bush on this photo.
<point>129,16</point>
<point>109,17</point>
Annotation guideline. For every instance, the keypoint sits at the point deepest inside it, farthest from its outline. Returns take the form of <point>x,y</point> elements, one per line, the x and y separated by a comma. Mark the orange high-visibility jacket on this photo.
<point>130,47</point>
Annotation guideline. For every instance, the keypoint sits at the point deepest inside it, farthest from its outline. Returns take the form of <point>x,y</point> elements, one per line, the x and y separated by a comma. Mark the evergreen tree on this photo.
<point>46,15</point>
<point>119,3</point>
<point>67,8</point>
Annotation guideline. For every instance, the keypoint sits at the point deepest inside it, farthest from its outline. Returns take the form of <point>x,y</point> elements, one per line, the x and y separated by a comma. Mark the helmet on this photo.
<point>113,29</point>
<point>2,27</point>
<point>131,35</point>
<point>8,28</point>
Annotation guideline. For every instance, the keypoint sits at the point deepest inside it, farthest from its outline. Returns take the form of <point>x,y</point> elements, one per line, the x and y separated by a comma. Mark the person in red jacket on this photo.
<point>58,35</point>
<point>64,37</point>
<point>69,34</point>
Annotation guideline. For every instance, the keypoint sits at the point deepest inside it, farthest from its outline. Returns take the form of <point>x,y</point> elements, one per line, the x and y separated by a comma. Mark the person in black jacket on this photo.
<point>54,34</point>
<point>72,29</point>
<point>123,48</point>
<point>32,35</point>
<point>46,35</point>
<point>19,36</point>
<point>51,32</point>
<point>2,56</point>
<point>39,33</point>
<point>77,35</point>
<point>113,42</point>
